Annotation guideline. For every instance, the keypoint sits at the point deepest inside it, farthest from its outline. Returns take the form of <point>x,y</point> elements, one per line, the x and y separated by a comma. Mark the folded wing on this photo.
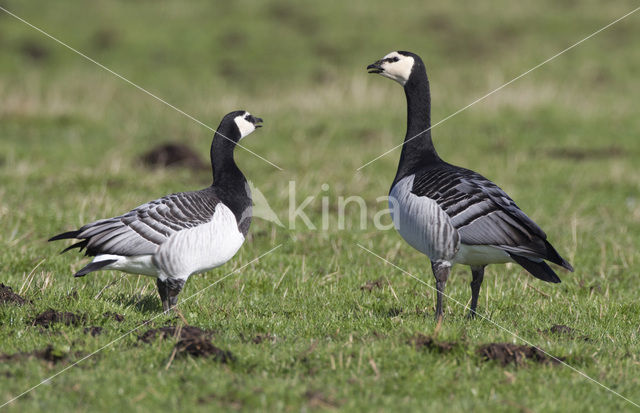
<point>141,230</point>
<point>484,214</point>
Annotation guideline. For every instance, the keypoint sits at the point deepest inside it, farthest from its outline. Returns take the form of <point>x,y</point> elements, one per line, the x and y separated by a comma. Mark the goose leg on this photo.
<point>478,275</point>
<point>441,273</point>
<point>169,290</point>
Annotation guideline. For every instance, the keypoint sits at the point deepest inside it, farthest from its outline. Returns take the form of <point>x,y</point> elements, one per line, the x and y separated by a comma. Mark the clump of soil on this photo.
<point>370,285</point>
<point>93,330</point>
<point>318,399</point>
<point>51,316</point>
<point>421,341</point>
<point>563,330</point>
<point>506,353</point>
<point>118,317</point>
<point>7,296</point>
<point>34,50</point>
<point>186,333</point>
<point>173,154</point>
<point>49,354</point>
<point>263,337</point>
<point>202,347</point>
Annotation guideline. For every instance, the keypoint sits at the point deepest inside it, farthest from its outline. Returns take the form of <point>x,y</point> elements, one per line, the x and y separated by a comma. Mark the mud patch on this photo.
<point>424,342</point>
<point>173,155</point>
<point>567,331</point>
<point>34,50</point>
<point>186,333</point>
<point>584,154</point>
<point>7,296</point>
<point>506,353</point>
<point>49,353</point>
<point>51,316</point>
<point>317,399</point>
<point>370,285</point>
<point>202,347</point>
<point>260,338</point>
<point>115,316</point>
<point>93,330</point>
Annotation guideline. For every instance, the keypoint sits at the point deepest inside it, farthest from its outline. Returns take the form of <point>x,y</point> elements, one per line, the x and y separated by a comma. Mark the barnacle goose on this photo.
<point>181,234</point>
<point>452,214</point>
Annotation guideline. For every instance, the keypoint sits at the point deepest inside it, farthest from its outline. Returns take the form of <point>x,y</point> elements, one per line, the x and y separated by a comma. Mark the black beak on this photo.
<point>257,122</point>
<point>375,67</point>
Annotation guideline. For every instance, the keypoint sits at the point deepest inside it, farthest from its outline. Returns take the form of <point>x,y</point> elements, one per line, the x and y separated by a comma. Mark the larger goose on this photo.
<point>452,214</point>
<point>181,234</point>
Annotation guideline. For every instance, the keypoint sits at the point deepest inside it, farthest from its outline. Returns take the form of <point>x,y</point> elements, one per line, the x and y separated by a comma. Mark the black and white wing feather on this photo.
<point>141,230</point>
<point>483,213</point>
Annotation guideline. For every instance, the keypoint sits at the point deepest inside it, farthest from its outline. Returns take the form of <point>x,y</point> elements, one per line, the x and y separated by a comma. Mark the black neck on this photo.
<point>225,171</point>
<point>229,183</point>
<point>417,149</point>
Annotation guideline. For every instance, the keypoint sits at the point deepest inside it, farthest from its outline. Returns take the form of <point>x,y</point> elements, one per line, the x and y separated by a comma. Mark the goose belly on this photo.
<point>481,255</point>
<point>422,223</point>
<point>201,248</point>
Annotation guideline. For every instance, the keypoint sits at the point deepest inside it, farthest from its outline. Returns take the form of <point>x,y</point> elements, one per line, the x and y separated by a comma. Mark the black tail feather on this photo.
<point>553,256</point>
<point>81,245</point>
<point>65,235</point>
<point>538,269</point>
<point>93,266</point>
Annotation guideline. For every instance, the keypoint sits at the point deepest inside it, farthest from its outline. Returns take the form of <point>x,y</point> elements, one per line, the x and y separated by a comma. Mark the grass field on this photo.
<point>563,141</point>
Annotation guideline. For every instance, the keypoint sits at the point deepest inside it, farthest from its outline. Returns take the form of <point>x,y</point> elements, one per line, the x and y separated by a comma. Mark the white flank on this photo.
<point>201,248</point>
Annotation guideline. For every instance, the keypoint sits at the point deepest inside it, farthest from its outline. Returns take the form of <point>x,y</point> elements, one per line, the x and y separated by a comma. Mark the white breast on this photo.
<point>422,223</point>
<point>201,248</point>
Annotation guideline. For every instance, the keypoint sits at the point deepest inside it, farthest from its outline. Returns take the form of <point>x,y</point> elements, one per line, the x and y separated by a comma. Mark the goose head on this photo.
<point>398,65</point>
<point>240,123</point>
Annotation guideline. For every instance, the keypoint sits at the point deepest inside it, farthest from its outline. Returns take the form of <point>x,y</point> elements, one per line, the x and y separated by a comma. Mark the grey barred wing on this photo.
<point>482,213</point>
<point>143,229</point>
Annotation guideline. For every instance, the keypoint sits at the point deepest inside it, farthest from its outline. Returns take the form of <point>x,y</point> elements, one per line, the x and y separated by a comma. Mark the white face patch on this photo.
<point>244,126</point>
<point>398,70</point>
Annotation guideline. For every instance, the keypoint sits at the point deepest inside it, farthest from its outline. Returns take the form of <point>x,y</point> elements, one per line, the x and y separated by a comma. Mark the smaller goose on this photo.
<point>181,234</point>
<point>451,214</point>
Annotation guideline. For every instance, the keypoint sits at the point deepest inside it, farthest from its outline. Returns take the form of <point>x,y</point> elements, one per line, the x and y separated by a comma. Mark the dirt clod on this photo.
<point>186,333</point>
<point>263,337</point>
<point>202,347</point>
<point>51,316</point>
<point>506,353</point>
<point>173,154</point>
<point>563,330</point>
<point>49,354</point>
<point>93,330</point>
<point>370,285</point>
<point>318,399</point>
<point>421,341</point>
<point>34,50</point>
<point>118,317</point>
<point>7,296</point>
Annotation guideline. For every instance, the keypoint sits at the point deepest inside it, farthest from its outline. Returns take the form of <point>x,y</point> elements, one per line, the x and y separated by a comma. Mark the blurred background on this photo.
<point>563,140</point>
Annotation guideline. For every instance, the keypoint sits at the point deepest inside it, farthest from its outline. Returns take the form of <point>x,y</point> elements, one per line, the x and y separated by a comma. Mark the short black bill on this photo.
<point>375,67</point>
<point>257,122</point>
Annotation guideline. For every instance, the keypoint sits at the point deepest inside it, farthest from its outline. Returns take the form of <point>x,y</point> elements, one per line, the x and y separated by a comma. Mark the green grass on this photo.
<point>72,134</point>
